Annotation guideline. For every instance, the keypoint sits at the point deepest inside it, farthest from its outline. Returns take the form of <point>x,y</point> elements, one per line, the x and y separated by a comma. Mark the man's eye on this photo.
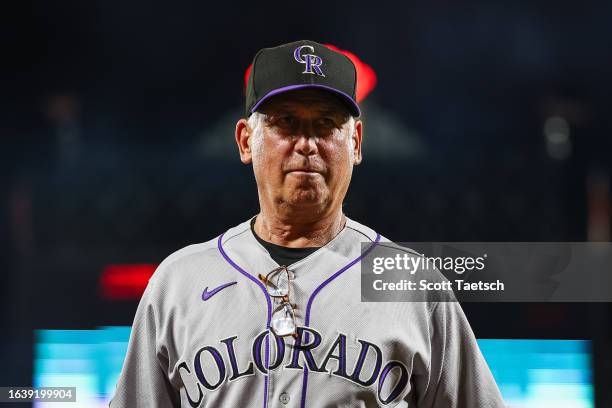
<point>285,121</point>
<point>326,122</point>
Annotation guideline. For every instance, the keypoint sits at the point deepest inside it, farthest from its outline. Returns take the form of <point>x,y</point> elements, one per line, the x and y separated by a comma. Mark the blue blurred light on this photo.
<point>530,373</point>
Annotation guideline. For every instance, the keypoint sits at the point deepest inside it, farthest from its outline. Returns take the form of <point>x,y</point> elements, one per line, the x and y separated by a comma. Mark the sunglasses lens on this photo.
<point>279,283</point>
<point>283,321</point>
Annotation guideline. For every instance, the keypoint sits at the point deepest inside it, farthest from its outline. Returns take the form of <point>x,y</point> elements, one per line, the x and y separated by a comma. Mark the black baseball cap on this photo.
<point>297,65</point>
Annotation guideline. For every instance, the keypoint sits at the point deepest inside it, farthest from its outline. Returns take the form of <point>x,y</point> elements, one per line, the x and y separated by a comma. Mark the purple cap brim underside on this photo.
<point>277,91</point>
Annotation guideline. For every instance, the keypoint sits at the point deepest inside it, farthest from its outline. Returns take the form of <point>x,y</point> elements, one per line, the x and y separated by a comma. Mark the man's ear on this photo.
<point>243,140</point>
<point>357,135</point>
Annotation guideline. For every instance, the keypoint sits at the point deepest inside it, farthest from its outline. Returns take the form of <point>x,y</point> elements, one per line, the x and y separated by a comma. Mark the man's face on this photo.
<point>306,150</point>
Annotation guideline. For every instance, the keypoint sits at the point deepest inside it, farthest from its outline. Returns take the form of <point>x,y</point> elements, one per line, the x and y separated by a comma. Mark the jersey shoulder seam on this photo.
<point>236,235</point>
<point>188,251</point>
<point>181,254</point>
<point>360,232</point>
<point>393,245</point>
<point>245,228</point>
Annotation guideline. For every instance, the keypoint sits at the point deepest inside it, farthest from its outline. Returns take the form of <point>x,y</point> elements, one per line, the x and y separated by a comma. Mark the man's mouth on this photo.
<point>304,172</point>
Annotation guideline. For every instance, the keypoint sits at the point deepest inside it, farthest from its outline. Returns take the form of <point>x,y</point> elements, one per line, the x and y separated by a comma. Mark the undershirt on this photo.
<point>283,255</point>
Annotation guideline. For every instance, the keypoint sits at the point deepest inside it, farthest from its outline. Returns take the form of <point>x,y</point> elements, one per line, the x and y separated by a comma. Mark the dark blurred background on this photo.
<point>490,122</point>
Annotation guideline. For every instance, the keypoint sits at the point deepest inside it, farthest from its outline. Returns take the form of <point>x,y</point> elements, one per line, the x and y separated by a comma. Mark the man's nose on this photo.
<point>306,142</point>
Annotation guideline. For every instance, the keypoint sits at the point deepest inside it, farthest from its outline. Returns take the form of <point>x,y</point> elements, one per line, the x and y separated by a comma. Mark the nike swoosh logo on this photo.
<point>208,294</point>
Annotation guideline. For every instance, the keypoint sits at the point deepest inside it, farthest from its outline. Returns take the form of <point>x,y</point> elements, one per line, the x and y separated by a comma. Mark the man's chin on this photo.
<point>307,198</point>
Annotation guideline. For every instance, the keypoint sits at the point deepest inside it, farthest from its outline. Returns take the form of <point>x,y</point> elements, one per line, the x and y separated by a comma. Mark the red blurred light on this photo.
<point>125,281</point>
<point>366,76</point>
<point>246,77</point>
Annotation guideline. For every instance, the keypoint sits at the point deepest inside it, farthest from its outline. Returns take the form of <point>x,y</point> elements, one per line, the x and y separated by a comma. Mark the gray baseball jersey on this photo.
<point>200,336</point>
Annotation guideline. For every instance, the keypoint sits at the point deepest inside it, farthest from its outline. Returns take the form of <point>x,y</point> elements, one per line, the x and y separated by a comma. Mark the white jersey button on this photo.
<point>284,398</point>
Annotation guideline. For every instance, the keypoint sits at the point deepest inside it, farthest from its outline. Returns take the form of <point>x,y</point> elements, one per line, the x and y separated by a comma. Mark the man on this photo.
<point>268,314</point>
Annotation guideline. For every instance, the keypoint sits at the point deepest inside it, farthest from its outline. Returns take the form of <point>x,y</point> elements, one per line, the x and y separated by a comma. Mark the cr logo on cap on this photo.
<point>312,62</point>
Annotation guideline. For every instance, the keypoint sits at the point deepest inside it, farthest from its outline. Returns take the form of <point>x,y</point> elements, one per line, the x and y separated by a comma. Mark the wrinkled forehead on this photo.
<point>306,100</point>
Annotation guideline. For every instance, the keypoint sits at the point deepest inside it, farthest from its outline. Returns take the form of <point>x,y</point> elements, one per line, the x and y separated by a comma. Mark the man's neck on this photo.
<point>293,233</point>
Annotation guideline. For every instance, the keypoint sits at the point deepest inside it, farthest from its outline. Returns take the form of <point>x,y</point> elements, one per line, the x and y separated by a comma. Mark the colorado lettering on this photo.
<point>225,366</point>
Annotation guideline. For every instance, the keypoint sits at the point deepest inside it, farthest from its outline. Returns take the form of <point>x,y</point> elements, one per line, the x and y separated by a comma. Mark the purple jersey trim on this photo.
<point>251,277</point>
<point>311,299</point>
<point>277,91</point>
